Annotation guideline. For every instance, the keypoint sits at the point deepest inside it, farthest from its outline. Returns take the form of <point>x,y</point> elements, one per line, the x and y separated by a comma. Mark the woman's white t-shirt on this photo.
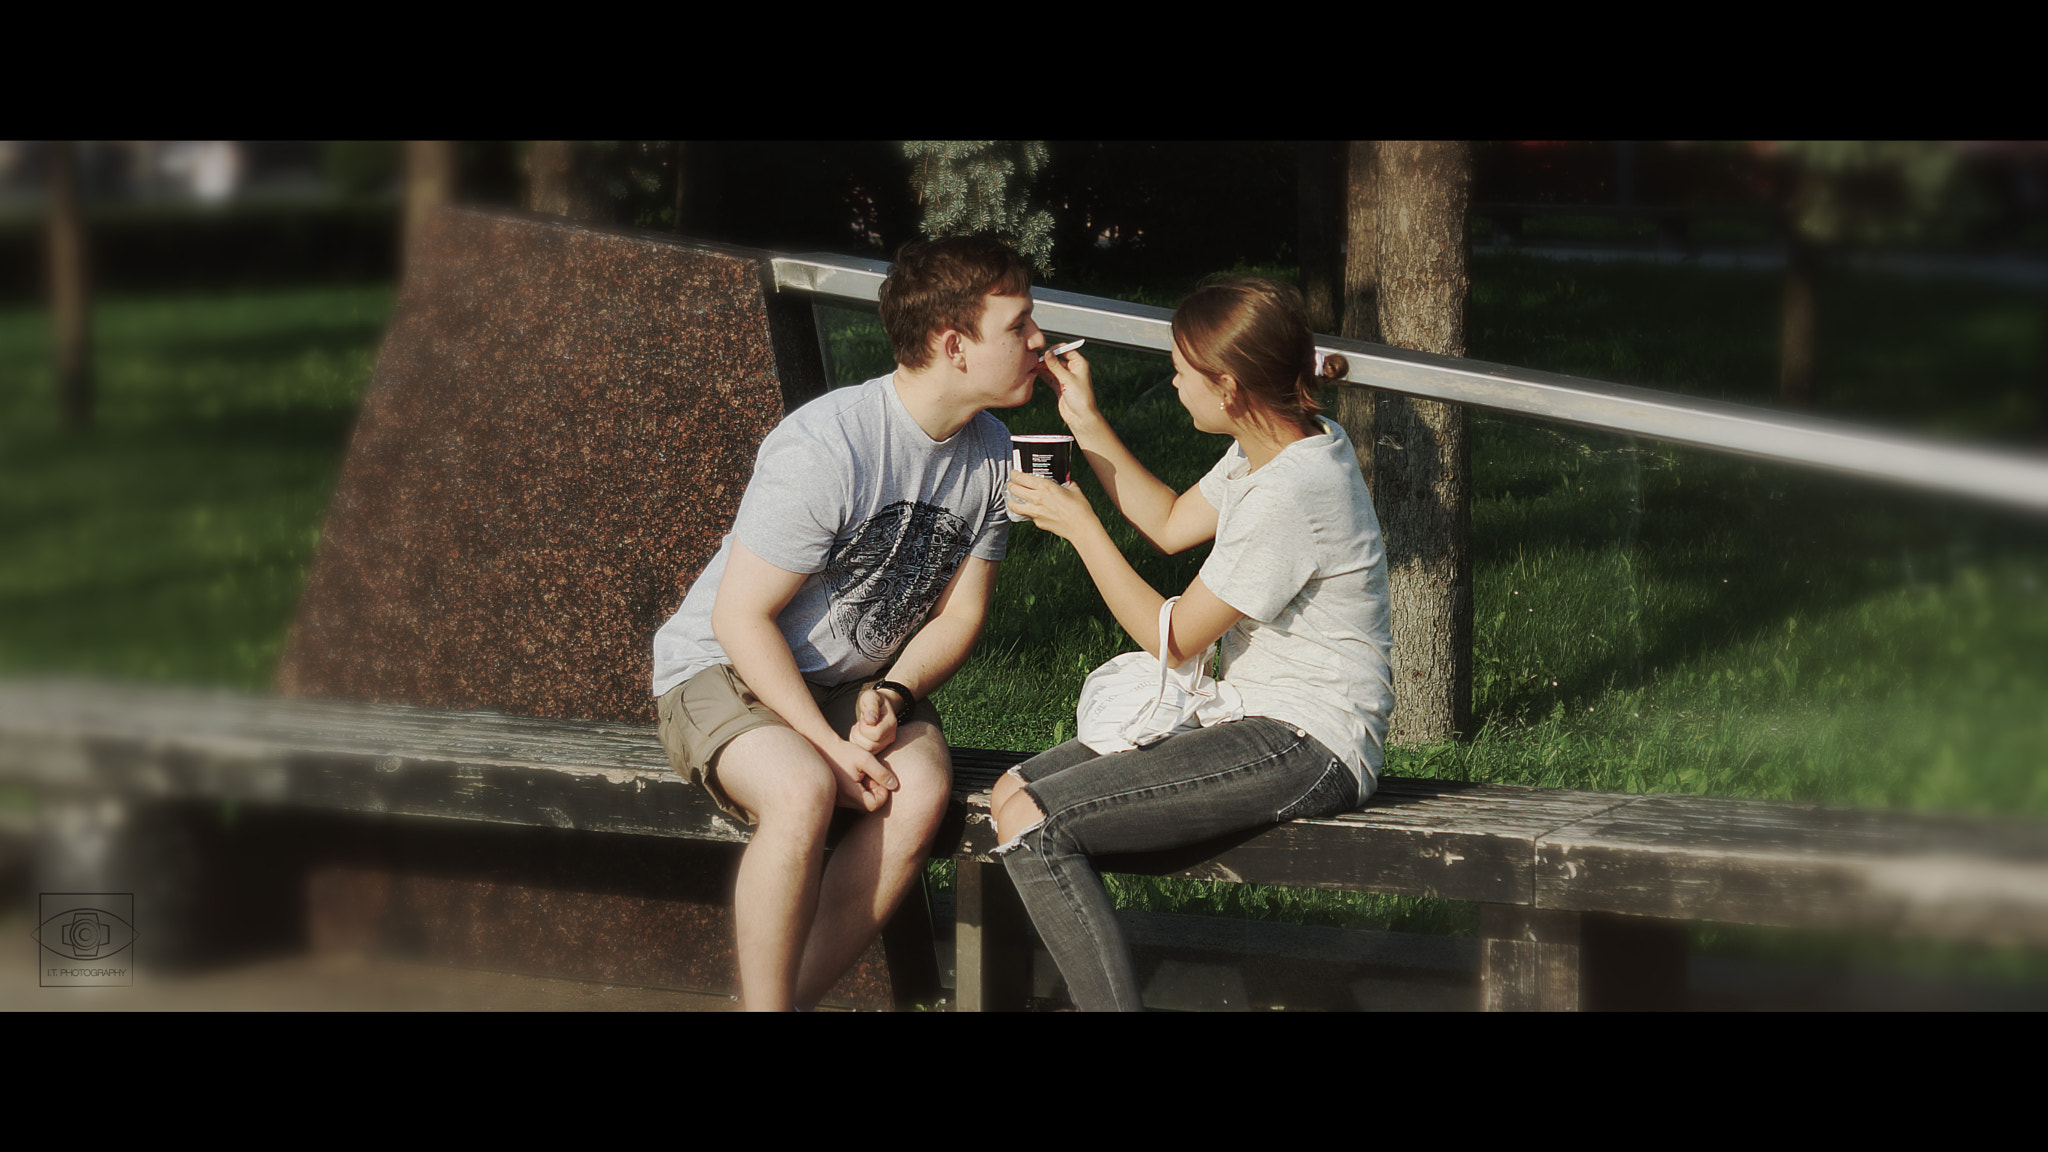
<point>1298,552</point>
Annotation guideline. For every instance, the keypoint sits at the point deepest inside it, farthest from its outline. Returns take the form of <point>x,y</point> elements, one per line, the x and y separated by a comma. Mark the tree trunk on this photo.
<point>70,291</point>
<point>1796,346</point>
<point>429,184</point>
<point>1421,453</point>
<point>676,224</point>
<point>1361,306</point>
<point>559,182</point>
<point>1351,405</point>
<point>1319,167</point>
<point>549,172</point>
<point>2041,371</point>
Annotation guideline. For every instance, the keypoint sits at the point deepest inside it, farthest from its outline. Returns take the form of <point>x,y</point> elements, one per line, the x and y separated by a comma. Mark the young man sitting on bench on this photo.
<point>871,510</point>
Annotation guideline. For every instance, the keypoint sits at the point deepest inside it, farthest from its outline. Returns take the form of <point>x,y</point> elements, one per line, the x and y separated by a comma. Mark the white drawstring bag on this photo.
<point>1137,699</point>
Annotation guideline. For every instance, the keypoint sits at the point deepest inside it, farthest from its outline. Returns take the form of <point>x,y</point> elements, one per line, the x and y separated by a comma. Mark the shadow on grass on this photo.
<point>90,594</point>
<point>1708,554</point>
<point>321,429</point>
<point>272,345</point>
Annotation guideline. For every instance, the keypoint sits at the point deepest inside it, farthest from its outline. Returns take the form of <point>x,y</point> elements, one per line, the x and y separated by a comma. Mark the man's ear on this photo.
<point>951,344</point>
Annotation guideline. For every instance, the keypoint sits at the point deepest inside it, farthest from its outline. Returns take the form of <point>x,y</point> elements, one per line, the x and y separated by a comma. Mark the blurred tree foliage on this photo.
<point>362,168</point>
<point>1854,191</point>
<point>1877,191</point>
<point>486,171</point>
<point>630,182</point>
<point>967,187</point>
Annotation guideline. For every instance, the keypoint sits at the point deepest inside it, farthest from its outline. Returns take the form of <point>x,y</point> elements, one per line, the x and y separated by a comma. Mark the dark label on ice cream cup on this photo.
<point>1048,456</point>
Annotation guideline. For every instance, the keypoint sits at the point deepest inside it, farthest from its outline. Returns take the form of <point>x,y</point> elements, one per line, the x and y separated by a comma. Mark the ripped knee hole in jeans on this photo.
<point>1005,847</point>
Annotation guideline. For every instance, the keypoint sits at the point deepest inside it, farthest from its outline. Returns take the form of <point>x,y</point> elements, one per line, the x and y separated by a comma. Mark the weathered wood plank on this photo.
<point>1548,960</point>
<point>1754,862</point>
<point>1528,960</point>
<point>1417,837</point>
<point>1662,857</point>
<point>1461,841</point>
<point>992,948</point>
<point>413,783</point>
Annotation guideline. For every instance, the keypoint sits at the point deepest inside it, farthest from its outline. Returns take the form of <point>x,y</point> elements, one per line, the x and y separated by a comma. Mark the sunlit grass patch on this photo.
<point>171,540</point>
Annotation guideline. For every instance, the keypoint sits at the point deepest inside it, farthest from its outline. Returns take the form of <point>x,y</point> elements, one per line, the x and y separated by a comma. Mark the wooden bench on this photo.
<point>1584,895</point>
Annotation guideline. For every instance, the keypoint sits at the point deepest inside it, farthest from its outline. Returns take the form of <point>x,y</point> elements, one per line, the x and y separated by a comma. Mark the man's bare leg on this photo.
<point>877,861</point>
<point>778,776</point>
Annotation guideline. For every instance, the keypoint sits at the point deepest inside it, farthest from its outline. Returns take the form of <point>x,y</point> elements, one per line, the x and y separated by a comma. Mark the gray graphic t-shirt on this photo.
<point>851,492</point>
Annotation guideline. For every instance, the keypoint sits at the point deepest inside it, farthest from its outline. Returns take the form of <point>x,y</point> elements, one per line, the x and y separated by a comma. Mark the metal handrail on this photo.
<point>1994,475</point>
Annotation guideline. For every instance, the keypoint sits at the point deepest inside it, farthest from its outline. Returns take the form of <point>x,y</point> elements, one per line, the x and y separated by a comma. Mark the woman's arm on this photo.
<point>1169,522</point>
<point>1198,619</point>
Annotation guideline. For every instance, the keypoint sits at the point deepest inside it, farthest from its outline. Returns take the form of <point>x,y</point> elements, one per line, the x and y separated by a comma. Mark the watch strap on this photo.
<point>909,698</point>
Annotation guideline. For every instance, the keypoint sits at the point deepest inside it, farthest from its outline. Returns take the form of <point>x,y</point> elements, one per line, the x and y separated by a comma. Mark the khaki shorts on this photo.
<point>700,716</point>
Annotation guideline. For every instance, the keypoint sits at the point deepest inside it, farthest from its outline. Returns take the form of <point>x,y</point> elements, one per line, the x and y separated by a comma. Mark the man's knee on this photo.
<point>778,777</point>
<point>923,768</point>
<point>921,748</point>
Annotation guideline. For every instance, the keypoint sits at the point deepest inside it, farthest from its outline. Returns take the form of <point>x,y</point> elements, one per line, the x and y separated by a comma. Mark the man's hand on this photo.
<point>874,722</point>
<point>864,782</point>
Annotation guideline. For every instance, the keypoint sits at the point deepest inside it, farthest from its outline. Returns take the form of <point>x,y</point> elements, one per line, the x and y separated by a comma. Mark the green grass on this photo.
<point>1771,639</point>
<point>1646,618</point>
<point>170,542</point>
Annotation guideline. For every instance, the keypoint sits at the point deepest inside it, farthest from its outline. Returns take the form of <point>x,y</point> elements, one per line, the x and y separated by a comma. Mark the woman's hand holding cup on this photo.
<point>1060,509</point>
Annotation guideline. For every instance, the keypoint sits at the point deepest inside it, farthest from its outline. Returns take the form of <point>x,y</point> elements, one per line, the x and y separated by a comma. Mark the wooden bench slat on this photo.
<point>1747,861</point>
<point>1464,841</point>
<point>1666,856</point>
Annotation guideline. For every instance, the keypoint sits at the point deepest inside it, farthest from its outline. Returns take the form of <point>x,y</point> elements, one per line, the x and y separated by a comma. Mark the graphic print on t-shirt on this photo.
<point>887,575</point>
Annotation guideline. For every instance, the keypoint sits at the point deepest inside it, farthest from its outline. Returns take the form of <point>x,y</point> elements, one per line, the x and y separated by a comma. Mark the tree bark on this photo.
<point>1421,451</point>
<point>1802,188</point>
<point>1796,344</point>
<point>1351,405</point>
<point>1319,167</point>
<point>548,170</point>
<point>676,224</point>
<point>558,182</point>
<point>429,184</point>
<point>1361,306</point>
<point>70,289</point>
<point>2041,371</point>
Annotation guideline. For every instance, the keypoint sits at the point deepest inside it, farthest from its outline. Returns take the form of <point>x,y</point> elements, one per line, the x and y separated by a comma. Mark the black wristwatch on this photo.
<point>909,699</point>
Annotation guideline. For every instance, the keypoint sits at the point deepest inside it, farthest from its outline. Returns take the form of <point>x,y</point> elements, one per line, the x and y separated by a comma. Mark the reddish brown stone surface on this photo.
<point>610,938</point>
<point>561,424</point>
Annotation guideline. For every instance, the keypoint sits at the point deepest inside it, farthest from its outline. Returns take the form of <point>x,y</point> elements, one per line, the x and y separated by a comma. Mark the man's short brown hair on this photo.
<point>938,284</point>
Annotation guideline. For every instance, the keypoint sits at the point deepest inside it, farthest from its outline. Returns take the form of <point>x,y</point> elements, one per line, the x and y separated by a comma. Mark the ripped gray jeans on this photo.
<point>1187,788</point>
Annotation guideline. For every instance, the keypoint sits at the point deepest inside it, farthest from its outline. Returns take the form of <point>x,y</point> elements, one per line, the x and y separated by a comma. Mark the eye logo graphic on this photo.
<point>87,939</point>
